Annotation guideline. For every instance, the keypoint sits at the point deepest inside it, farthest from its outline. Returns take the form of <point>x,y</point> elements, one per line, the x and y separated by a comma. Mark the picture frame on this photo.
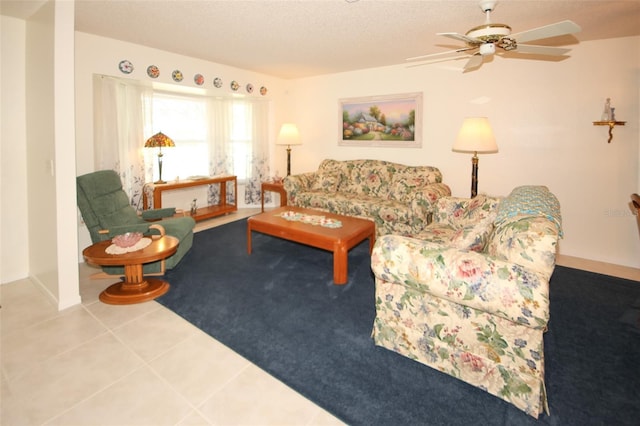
<point>381,121</point>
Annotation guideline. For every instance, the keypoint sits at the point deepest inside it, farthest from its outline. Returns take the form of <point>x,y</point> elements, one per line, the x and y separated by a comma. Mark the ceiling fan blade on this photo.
<point>548,31</point>
<point>435,61</point>
<point>433,55</point>
<point>474,62</point>
<point>461,37</point>
<point>541,50</point>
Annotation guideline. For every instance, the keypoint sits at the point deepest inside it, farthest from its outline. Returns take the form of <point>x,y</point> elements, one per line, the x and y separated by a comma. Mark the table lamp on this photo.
<point>475,136</point>
<point>159,140</point>
<point>289,135</point>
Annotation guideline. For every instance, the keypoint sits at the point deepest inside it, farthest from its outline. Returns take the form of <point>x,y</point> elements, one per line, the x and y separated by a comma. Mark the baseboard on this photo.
<point>619,271</point>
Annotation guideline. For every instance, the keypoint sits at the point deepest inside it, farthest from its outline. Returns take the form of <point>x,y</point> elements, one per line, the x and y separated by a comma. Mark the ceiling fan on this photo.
<point>485,40</point>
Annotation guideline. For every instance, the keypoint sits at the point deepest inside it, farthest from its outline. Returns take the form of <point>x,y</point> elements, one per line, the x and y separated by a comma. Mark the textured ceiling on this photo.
<point>299,38</point>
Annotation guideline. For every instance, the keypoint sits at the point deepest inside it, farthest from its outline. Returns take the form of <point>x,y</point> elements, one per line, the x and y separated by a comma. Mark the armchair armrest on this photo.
<point>467,278</point>
<point>157,214</point>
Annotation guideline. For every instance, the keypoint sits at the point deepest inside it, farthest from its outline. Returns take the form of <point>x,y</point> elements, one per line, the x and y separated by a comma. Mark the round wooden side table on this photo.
<point>136,287</point>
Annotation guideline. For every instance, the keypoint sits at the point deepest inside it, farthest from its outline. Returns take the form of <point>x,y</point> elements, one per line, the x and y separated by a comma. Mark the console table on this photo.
<point>223,207</point>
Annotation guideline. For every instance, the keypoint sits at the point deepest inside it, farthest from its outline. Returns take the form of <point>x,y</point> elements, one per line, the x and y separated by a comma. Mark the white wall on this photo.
<point>39,235</point>
<point>64,160</point>
<point>541,113</point>
<point>13,203</point>
<point>49,140</point>
<point>41,189</point>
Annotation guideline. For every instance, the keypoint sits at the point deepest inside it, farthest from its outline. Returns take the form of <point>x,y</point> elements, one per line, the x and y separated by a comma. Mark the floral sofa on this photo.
<point>469,296</point>
<point>400,199</point>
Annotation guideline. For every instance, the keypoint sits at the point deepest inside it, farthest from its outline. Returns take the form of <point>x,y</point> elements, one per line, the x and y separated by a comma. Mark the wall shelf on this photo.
<point>611,125</point>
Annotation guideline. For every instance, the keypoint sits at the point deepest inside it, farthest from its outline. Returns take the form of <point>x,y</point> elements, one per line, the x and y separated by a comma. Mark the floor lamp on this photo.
<point>475,136</point>
<point>159,140</point>
<point>288,135</point>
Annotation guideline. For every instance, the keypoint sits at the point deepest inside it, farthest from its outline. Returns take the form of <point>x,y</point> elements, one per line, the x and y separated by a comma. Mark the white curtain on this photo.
<point>219,111</point>
<point>259,161</point>
<point>238,135</point>
<point>121,112</point>
<point>226,136</point>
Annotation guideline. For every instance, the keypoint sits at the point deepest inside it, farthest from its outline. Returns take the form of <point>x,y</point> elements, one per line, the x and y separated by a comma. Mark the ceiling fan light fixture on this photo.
<point>487,49</point>
<point>489,33</point>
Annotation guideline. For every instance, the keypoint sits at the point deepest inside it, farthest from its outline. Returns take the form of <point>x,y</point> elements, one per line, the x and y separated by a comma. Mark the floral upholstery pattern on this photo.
<point>400,199</point>
<point>480,315</point>
<point>464,223</point>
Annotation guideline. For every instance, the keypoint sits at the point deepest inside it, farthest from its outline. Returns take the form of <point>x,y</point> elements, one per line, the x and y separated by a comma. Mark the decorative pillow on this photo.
<point>326,181</point>
<point>474,236</point>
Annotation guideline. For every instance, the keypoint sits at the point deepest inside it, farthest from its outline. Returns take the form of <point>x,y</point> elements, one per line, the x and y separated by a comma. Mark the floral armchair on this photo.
<point>469,296</point>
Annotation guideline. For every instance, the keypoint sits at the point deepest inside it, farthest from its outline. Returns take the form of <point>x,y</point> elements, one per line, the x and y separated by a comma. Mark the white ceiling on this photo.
<point>299,38</point>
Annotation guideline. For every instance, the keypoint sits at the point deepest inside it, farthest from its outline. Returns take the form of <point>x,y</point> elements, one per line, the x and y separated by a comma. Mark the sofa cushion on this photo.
<point>329,176</point>
<point>326,180</point>
<point>367,177</point>
<point>406,184</point>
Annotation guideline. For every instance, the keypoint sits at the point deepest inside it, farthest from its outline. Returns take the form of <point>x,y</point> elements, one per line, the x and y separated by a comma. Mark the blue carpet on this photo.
<point>278,307</point>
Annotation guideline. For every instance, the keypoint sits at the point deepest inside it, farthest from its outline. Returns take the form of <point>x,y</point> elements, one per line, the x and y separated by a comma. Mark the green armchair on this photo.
<point>106,211</point>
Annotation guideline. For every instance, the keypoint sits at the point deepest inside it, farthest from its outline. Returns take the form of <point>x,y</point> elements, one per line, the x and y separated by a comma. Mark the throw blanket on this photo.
<point>531,200</point>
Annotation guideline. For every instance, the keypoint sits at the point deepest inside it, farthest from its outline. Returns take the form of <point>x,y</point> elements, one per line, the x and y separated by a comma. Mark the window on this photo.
<point>184,120</point>
<point>241,139</point>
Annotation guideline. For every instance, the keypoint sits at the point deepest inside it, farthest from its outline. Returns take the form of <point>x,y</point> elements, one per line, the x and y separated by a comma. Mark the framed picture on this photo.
<point>388,121</point>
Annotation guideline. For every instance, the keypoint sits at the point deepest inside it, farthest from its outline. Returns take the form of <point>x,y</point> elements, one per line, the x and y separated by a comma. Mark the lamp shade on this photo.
<point>289,135</point>
<point>159,140</point>
<point>475,136</point>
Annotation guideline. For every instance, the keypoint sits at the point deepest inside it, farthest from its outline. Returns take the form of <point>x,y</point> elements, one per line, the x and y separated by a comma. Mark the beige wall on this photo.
<point>541,113</point>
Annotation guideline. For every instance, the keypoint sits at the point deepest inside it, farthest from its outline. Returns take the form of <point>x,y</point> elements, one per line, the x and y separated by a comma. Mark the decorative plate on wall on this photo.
<point>177,76</point>
<point>249,88</point>
<point>125,66</point>
<point>217,82</point>
<point>263,90</point>
<point>153,71</point>
<point>198,79</point>
<point>235,85</point>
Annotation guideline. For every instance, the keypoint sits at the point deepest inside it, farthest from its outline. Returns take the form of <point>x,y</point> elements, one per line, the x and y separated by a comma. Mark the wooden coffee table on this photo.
<point>336,240</point>
<point>136,287</point>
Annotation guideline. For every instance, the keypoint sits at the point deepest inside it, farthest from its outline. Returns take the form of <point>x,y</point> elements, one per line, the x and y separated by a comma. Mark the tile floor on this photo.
<point>98,364</point>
